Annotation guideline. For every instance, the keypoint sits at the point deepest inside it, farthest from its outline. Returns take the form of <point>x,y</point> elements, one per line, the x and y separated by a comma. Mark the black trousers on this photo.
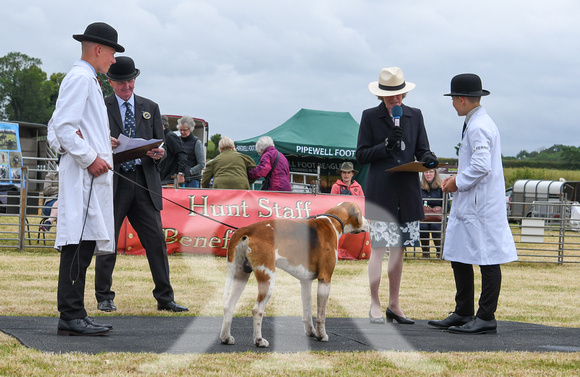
<point>135,203</point>
<point>490,287</point>
<point>70,296</point>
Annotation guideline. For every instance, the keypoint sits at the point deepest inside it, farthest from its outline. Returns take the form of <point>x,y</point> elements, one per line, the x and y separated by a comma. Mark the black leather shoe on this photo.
<point>400,319</point>
<point>91,321</point>
<point>79,327</point>
<point>172,306</point>
<point>476,326</point>
<point>107,306</point>
<point>453,320</point>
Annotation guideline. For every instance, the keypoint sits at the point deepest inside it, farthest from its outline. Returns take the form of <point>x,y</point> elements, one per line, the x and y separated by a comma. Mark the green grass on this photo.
<point>544,294</point>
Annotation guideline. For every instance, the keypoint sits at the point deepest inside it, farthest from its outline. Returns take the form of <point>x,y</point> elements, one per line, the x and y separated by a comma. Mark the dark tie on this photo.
<point>129,131</point>
<point>463,132</point>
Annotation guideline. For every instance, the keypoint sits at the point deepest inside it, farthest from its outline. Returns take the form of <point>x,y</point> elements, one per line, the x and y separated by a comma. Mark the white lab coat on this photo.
<point>80,106</point>
<point>478,231</point>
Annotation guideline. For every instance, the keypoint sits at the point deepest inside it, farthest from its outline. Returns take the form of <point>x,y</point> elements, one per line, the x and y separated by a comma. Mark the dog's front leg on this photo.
<point>321,302</point>
<point>306,292</point>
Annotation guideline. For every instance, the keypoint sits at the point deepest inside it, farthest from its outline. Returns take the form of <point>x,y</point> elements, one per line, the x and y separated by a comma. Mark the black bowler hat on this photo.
<point>467,85</point>
<point>123,69</point>
<point>100,32</point>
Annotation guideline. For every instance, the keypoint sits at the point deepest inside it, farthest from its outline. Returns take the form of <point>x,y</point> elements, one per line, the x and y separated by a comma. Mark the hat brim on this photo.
<point>481,93</point>
<point>353,170</point>
<point>106,42</point>
<point>131,76</point>
<point>374,89</point>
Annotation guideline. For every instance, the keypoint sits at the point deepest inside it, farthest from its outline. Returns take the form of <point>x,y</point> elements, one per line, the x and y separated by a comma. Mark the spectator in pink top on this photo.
<point>273,167</point>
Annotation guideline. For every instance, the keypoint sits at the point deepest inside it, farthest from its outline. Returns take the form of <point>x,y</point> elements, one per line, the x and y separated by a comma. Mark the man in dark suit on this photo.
<point>136,116</point>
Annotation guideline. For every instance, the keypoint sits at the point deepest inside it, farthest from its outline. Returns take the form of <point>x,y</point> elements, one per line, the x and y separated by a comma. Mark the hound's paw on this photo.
<point>323,338</point>
<point>229,340</point>
<point>311,334</point>
<point>261,343</point>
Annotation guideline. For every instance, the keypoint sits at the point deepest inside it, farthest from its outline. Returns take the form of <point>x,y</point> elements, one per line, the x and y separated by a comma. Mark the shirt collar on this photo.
<point>470,113</point>
<point>131,101</point>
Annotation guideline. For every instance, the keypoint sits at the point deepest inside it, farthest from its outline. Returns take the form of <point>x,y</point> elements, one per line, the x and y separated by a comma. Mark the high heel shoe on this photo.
<point>375,320</point>
<point>400,319</point>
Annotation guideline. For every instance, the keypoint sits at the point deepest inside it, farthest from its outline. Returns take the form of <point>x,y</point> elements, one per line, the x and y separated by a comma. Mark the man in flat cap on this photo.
<point>79,131</point>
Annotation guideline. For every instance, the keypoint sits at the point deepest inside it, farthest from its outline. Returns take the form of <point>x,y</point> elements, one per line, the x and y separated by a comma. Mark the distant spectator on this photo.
<point>432,198</point>
<point>229,169</point>
<point>194,149</point>
<point>50,205</point>
<point>273,166</point>
<point>175,161</point>
<point>347,186</point>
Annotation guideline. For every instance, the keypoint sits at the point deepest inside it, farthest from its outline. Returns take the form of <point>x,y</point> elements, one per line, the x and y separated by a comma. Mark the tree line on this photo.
<point>27,93</point>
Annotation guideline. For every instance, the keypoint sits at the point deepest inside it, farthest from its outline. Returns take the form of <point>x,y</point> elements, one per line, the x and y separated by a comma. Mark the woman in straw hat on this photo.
<point>392,199</point>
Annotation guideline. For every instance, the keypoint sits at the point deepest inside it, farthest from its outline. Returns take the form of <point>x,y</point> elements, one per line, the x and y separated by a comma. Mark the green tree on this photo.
<point>212,148</point>
<point>25,92</point>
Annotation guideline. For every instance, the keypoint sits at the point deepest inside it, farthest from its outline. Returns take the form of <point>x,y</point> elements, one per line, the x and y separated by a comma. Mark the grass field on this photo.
<point>544,294</point>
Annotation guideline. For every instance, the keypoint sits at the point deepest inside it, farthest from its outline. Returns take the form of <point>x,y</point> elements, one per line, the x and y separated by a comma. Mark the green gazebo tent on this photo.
<point>311,138</point>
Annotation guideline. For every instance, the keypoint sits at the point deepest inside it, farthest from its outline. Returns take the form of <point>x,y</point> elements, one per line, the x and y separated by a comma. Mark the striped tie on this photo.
<point>129,131</point>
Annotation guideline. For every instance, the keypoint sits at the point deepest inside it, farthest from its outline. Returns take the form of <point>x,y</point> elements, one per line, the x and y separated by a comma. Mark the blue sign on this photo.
<point>10,154</point>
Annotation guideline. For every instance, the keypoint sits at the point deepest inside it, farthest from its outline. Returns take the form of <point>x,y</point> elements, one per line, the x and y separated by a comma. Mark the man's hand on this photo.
<point>115,142</point>
<point>98,167</point>
<point>156,153</point>
<point>449,184</point>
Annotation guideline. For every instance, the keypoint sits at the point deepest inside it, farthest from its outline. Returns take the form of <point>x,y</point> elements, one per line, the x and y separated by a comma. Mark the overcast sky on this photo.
<point>248,66</point>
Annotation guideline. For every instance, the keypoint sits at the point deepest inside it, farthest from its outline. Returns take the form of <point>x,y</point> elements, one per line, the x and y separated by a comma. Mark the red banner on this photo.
<point>211,216</point>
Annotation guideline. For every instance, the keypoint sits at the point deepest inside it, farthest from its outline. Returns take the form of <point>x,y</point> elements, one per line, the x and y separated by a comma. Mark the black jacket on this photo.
<point>175,160</point>
<point>147,126</point>
<point>391,196</point>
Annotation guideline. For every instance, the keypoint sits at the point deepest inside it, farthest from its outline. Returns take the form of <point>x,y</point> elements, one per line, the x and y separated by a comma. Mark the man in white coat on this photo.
<point>79,131</point>
<point>478,231</point>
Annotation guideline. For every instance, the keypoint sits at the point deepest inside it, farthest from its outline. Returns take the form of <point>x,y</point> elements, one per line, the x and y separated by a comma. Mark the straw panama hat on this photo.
<point>391,82</point>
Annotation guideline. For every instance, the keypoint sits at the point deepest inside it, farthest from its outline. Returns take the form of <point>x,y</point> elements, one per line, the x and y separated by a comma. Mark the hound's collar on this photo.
<point>329,215</point>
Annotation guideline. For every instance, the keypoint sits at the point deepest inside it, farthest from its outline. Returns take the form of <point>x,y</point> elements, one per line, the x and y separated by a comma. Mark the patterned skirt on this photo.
<point>387,234</point>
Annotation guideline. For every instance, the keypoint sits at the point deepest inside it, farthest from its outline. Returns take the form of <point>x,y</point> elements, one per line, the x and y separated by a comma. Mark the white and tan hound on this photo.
<point>306,249</point>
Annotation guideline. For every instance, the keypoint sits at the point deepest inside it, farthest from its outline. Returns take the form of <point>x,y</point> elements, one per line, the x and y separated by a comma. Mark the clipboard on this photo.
<point>413,167</point>
<point>132,148</point>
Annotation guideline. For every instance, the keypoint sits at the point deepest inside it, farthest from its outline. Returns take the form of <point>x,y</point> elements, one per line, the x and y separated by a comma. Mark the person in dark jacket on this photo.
<point>392,199</point>
<point>432,197</point>
<point>279,174</point>
<point>175,161</point>
<point>194,149</point>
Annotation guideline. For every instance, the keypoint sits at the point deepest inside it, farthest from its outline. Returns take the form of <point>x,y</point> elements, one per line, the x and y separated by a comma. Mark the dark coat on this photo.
<point>175,160</point>
<point>397,193</point>
<point>151,128</point>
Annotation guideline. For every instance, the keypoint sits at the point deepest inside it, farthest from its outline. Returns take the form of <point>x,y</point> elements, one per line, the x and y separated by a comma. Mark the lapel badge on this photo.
<point>146,115</point>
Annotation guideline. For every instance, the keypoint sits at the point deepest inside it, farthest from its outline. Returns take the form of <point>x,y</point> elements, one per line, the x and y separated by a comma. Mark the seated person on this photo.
<point>50,205</point>
<point>347,186</point>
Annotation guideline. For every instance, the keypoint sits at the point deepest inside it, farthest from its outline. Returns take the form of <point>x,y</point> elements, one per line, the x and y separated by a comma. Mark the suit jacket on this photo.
<point>391,196</point>
<point>147,126</point>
